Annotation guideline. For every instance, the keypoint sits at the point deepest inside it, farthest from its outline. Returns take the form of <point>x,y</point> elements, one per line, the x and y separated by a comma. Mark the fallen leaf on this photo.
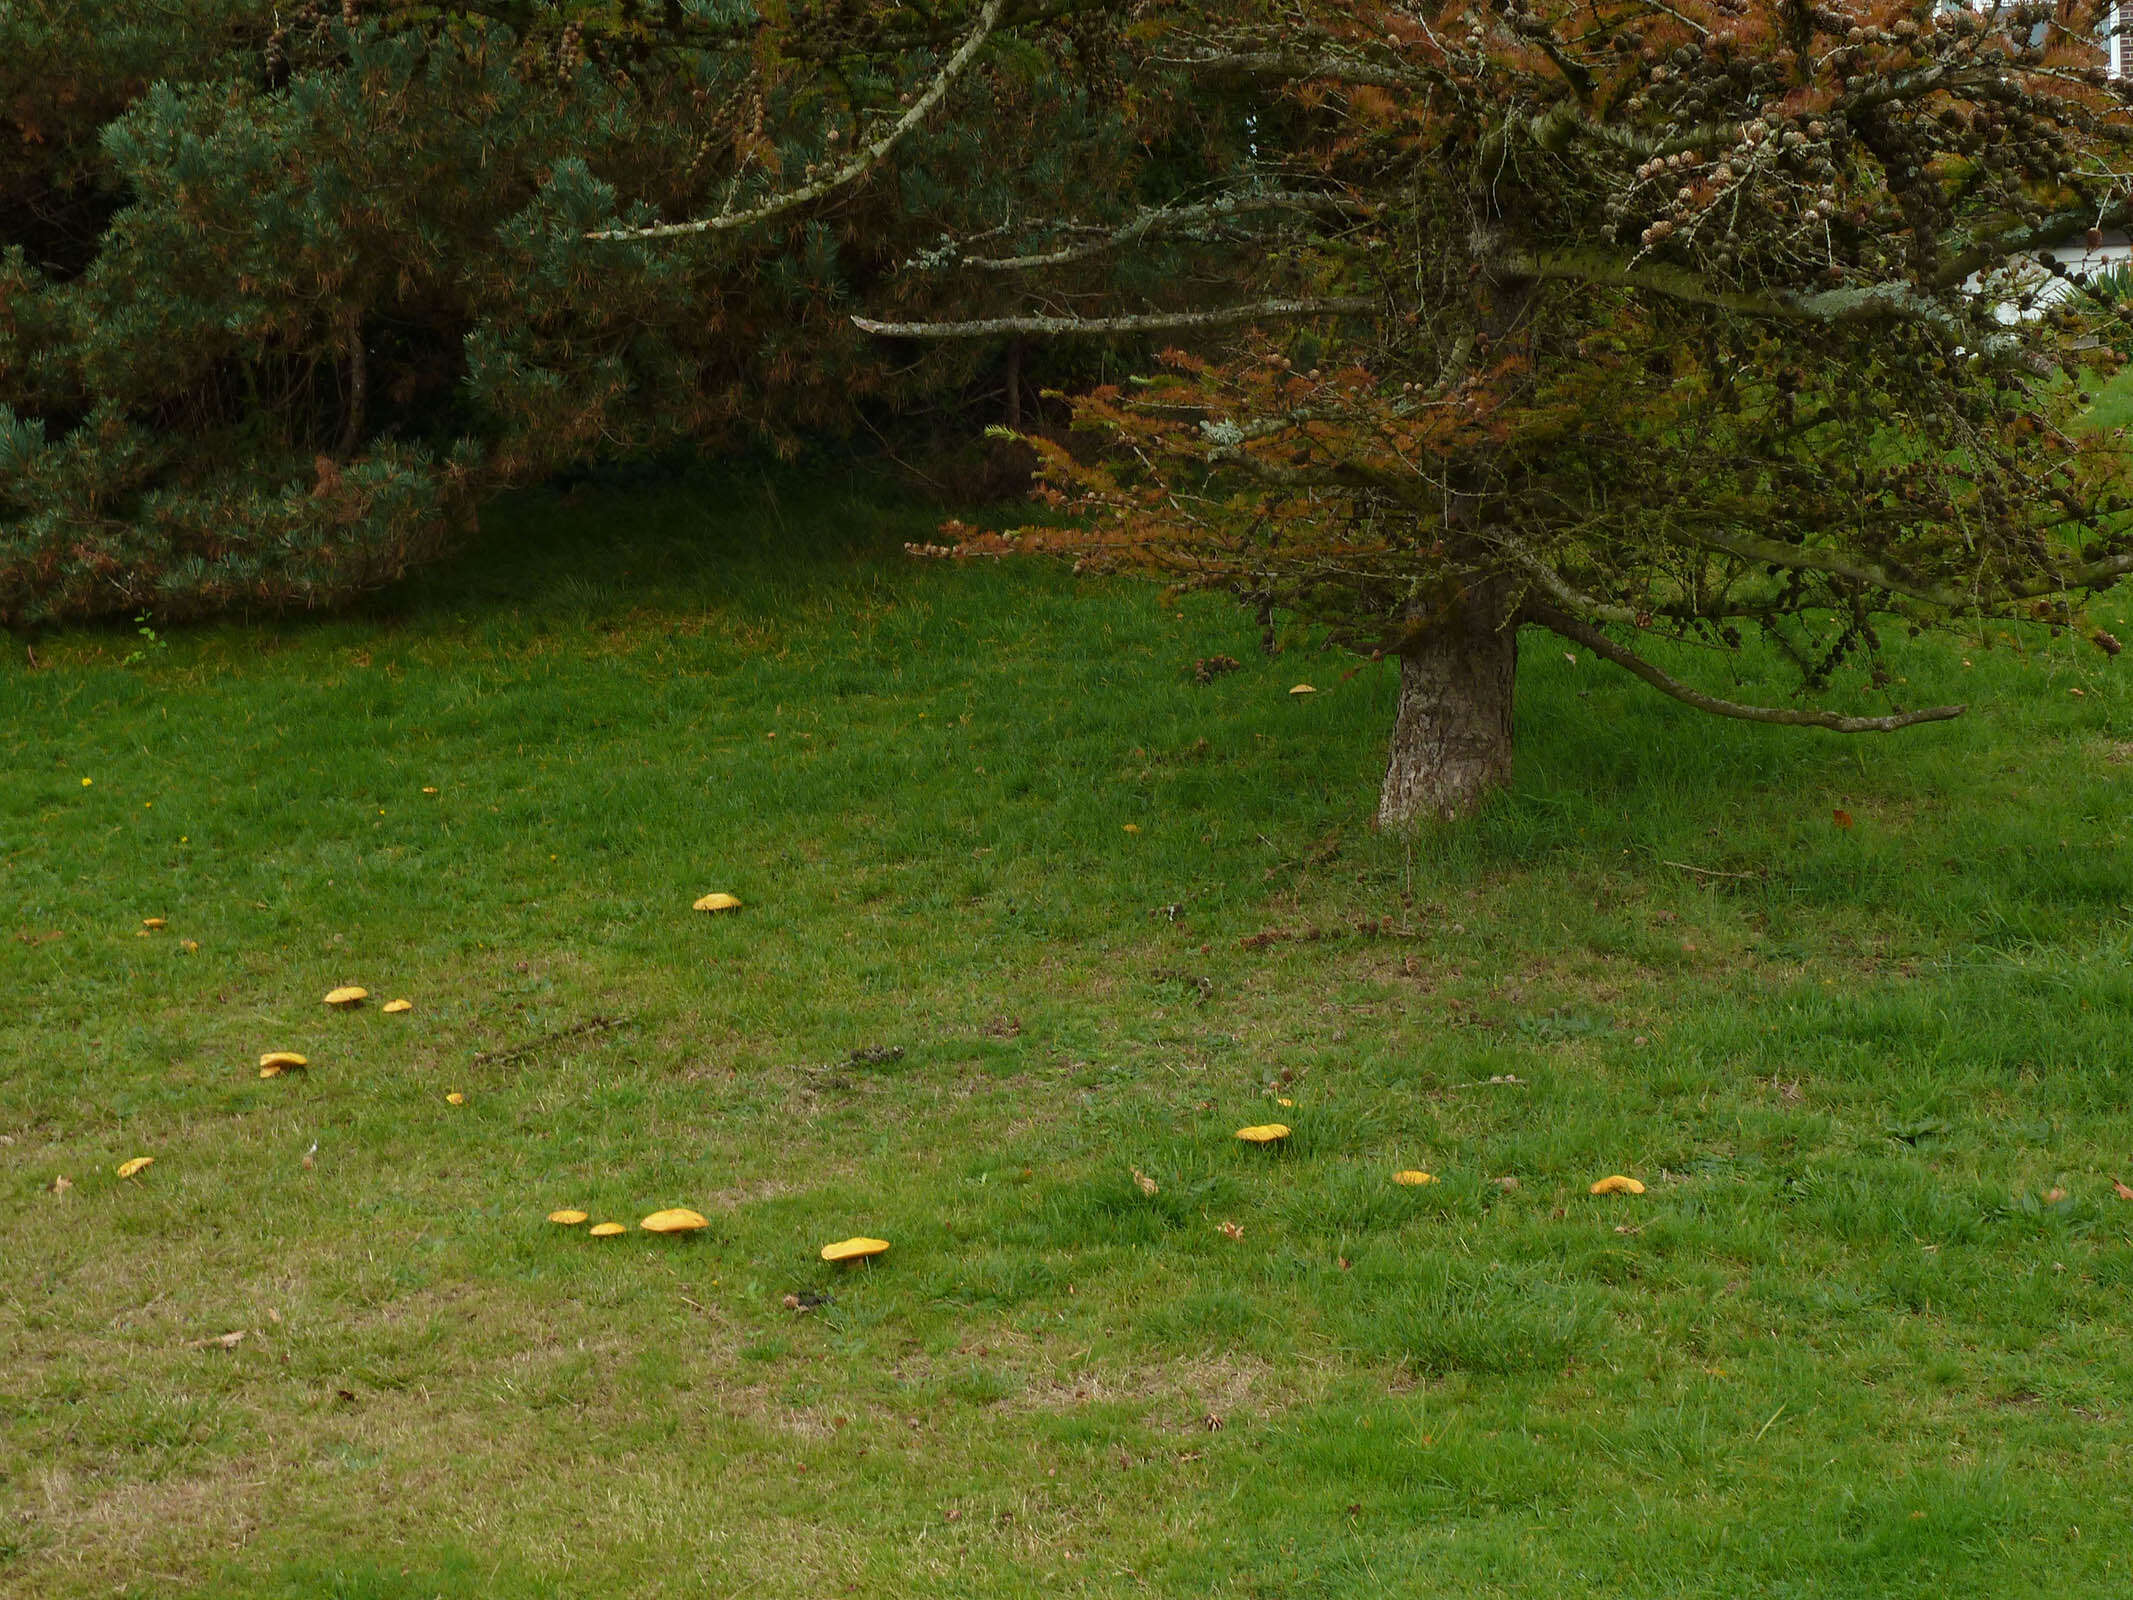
<point>62,1183</point>
<point>428,789</point>
<point>1507,1184</point>
<point>455,1098</point>
<point>2124,1193</point>
<point>1412,1179</point>
<point>310,1155</point>
<point>136,1166</point>
<point>2053,1196</point>
<point>1627,1227</point>
<point>1841,818</point>
<point>1617,1185</point>
<point>1231,1231</point>
<point>1211,1422</point>
<point>221,1341</point>
<point>1148,1184</point>
<point>190,946</point>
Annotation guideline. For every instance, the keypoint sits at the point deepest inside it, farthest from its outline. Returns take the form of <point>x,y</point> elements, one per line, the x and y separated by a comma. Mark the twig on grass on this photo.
<point>1713,872</point>
<point>490,1058</point>
<point>1502,1080</point>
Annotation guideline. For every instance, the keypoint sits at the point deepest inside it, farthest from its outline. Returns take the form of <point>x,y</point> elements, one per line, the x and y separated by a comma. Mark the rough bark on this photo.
<point>1451,740</point>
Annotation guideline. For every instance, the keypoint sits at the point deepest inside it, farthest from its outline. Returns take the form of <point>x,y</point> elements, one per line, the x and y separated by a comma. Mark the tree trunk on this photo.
<point>1451,741</point>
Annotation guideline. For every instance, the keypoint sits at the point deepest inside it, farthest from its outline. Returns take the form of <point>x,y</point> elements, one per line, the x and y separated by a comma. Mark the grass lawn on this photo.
<point>1863,1334</point>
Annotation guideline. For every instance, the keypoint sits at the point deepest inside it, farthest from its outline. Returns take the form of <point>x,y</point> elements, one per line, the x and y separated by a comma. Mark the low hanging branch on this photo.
<point>1790,716</point>
<point>1158,223</point>
<point>1152,322</point>
<point>864,160</point>
<point>1618,315</point>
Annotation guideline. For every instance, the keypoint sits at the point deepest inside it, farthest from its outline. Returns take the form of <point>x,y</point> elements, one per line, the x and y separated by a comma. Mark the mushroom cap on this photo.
<point>720,901</point>
<point>570,1219</point>
<point>138,1165</point>
<point>347,995</point>
<point>607,1230</point>
<point>1303,688</point>
<point>853,1249</point>
<point>455,1098</point>
<point>275,1062</point>
<point>1264,1133</point>
<point>393,1008</point>
<point>1412,1177</point>
<point>1618,1185</point>
<point>153,922</point>
<point>678,1220</point>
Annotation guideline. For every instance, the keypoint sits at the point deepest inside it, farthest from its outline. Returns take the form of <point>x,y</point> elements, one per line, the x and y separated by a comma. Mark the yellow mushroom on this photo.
<point>1412,1178</point>
<point>1618,1185</point>
<point>455,1098</point>
<point>347,995</point>
<point>135,1167</point>
<point>606,1230</point>
<point>720,901</point>
<point>1303,688</point>
<point>153,923</point>
<point>853,1249</point>
<point>393,1008</point>
<point>1264,1133</point>
<point>569,1219</point>
<point>275,1062</point>
<point>678,1220</point>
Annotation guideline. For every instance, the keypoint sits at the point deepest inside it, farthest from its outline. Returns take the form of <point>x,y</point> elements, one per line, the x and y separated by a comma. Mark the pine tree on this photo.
<point>287,293</point>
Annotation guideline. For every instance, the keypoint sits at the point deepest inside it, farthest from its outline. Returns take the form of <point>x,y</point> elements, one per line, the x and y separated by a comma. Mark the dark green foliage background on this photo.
<point>207,209</point>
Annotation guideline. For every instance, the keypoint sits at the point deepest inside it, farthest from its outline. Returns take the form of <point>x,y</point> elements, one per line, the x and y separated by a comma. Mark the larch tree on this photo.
<point>1625,320</point>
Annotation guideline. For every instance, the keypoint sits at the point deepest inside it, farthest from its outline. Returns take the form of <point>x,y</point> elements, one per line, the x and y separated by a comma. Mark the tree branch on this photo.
<point>863,161</point>
<point>1155,221</point>
<point>1154,322</point>
<point>1600,645</point>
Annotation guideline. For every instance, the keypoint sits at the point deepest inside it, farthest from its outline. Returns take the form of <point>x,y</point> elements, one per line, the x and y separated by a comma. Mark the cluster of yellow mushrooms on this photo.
<point>680,1220</point>
<point>346,998</point>
<point>1275,1132</point>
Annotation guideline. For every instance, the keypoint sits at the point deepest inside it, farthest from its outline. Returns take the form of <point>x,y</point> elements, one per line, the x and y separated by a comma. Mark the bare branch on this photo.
<point>1286,64</point>
<point>1159,220</point>
<point>1599,644</point>
<point>864,160</point>
<point>1153,322</point>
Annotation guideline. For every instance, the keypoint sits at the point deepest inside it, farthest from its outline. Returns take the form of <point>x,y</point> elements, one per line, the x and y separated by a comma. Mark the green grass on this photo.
<point>1845,1344</point>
